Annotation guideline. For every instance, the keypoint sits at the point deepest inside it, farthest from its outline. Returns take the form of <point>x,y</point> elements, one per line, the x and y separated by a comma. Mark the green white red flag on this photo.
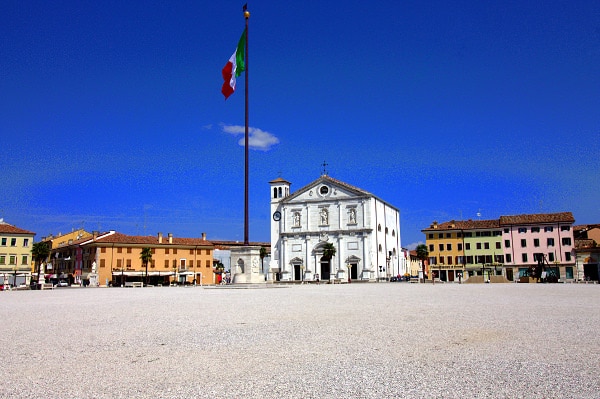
<point>234,67</point>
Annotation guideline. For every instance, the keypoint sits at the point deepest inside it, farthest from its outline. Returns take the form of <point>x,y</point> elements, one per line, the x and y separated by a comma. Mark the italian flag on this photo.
<point>234,67</point>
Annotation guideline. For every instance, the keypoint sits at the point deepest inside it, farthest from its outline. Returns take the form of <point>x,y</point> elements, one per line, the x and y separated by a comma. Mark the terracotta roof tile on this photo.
<point>118,238</point>
<point>10,229</point>
<point>535,218</point>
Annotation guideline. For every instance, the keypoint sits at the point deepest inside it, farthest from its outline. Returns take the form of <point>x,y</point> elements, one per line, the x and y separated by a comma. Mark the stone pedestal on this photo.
<point>245,265</point>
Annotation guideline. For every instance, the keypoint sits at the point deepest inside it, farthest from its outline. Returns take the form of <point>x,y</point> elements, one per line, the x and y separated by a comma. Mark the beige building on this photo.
<point>15,254</point>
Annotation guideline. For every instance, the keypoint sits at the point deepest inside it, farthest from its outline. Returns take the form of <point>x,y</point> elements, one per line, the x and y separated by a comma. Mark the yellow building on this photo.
<point>15,254</point>
<point>445,245</point>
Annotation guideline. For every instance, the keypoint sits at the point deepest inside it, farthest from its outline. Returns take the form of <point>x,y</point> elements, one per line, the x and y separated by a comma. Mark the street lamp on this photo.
<point>349,272</point>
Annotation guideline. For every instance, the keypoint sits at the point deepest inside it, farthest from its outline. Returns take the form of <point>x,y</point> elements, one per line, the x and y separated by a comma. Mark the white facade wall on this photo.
<point>339,214</point>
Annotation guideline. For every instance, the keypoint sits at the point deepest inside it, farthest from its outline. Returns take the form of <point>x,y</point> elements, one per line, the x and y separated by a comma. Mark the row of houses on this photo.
<point>112,258</point>
<point>513,247</point>
<point>504,249</point>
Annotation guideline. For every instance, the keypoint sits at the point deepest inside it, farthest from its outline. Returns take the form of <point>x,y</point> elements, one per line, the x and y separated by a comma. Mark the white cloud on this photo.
<point>413,245</point>
<point>257,139</point>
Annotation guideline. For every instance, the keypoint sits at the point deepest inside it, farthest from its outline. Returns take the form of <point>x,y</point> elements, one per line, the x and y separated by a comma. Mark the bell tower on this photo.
<point>280,189</point>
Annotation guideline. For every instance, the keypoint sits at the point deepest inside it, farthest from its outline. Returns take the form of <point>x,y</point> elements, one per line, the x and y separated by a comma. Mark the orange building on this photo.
<point>114,259</point>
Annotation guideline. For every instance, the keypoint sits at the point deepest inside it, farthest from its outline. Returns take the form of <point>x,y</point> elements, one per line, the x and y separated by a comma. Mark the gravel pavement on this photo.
<point>387,340</point>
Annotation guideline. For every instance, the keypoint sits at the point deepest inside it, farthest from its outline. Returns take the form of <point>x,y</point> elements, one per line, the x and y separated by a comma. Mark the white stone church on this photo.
<point>364,230</point>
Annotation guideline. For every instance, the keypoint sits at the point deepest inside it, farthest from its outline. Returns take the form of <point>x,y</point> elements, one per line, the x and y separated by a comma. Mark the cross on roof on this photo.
<point>324,165</point>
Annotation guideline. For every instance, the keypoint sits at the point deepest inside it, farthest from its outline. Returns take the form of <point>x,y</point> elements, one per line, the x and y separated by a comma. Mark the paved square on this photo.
<point>342,341</point>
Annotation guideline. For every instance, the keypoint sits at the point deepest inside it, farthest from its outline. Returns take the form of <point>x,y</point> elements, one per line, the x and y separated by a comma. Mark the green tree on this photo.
<point>146,257</point>
<point>328,251</point>
<point>422,254</point>
<point>263,255</point>
<point>40,252</point>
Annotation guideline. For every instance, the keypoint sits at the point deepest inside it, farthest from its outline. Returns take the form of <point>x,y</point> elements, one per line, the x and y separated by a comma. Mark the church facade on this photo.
<point>363,229</point>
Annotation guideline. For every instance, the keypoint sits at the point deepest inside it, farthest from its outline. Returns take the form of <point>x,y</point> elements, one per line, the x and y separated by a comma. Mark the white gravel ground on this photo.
<point>388,340</point>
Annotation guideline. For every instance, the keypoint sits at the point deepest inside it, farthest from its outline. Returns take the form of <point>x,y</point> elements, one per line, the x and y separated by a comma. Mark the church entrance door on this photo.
<point>325,269</point>
<point>297,273</point>
<point>353,271</point>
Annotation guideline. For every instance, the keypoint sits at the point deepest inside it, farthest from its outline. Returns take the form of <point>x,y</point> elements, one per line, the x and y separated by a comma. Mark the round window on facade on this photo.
<point>324,190</point>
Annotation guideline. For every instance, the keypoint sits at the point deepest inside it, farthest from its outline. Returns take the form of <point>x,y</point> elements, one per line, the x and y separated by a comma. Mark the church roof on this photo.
<point>279,180</point>
<point>330,180</point>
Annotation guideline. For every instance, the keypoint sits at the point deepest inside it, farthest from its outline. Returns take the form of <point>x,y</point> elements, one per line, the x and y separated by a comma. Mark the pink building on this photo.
<point>527,239</point>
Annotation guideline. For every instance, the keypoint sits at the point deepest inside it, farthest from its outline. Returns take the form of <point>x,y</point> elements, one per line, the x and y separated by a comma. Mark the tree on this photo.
<point>328,251</point>
<point>40,252</point>
<point>146,257</point>
<point>263,255</point>
<point>422,254</point>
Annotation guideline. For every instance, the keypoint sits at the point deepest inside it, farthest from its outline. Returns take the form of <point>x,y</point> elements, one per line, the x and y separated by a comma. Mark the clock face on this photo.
<point>277,216</point>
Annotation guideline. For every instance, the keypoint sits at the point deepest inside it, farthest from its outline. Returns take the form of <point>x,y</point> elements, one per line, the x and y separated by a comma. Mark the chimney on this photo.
<point>203,236</point>
<point>95,234</point>
<point>160,238</point>
<point>170,238</point>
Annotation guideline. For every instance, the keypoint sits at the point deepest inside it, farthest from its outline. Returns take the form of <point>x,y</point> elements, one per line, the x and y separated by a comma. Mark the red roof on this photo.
<point>10,229</point>
<point>566,217</point>
<point>118,238</point>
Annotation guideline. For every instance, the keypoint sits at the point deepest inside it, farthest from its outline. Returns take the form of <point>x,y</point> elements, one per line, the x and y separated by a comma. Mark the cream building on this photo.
<point>15,254</point>
<point>364,230</point>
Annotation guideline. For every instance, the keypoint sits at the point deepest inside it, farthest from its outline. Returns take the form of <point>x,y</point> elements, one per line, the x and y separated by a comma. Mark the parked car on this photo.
<point>62,283</point>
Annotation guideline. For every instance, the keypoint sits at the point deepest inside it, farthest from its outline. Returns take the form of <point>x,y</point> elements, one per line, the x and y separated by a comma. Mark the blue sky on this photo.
<point>111,115</point>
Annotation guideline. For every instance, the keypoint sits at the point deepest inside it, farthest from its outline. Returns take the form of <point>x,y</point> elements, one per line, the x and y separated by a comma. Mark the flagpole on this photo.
<point>246,229</point>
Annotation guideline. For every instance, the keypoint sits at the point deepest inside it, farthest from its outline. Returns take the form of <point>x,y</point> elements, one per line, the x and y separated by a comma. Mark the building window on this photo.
<point>508,258</point>
<point>102,262</point>
<point>153,264</point>
<point>379,227</point>
<point>119,264</point>
<point>448,235</point>
<point>524,257</point>
<point>548,229</point>
<point>12,259</point>
<point>128,250</point>
<point>3,241</point>
<point>166,263</point>
<point>550,256</point>
<point>449,260</point>
<point>506,231</point>
<point>506,243</point>
<point>468,234</point>
<point>478,245</point>
<point>550,242</point>
<point>431,247</point>
<point>129,263</point>
<point>441,246</point>
<point>119,250</point>
<point>536,242</point>
<point>386,231</point>
<point>498,245</point>
<point>470,259</point>
<point>24,260</point>
<point>486,245</point>
<point>430,236</point>
<point>538,257</point>
<point>441,260</point>
<point>523,243</point>
<point>174,263</point>
<point>565,228</point>
<point>207,252</point>
<point>166,251</point>
<point>459,247</point>
<point>13,242</point>
<point>25,242</point>
<point>448,247</point>
<point>207,263</point>
<point>2,259</point>
<point>103,250</point>
<point>174,251</point>
<point>432,260</point>
<point>567,256</point>
<point>535,229</point>
<point>497,233</point>
<point>468,246</point>
<point>522,230</point>
<point>566,241</point>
